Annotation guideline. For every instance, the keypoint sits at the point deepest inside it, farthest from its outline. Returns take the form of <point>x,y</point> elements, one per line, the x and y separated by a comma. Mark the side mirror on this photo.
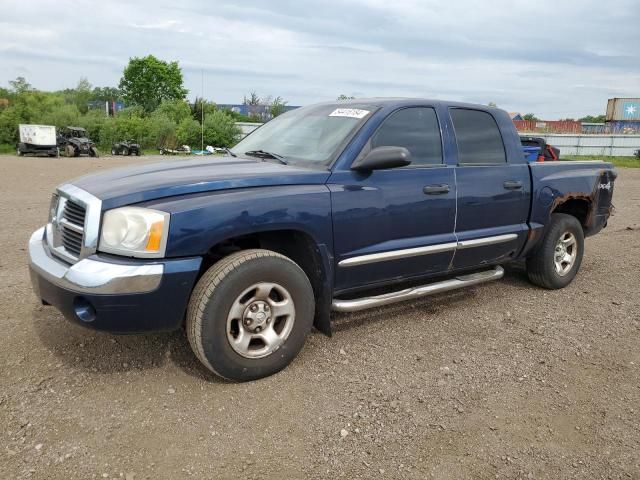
<point>381,158</point>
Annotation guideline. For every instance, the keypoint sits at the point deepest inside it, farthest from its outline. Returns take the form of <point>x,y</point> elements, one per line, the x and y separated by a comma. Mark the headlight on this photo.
<point>135,232</point>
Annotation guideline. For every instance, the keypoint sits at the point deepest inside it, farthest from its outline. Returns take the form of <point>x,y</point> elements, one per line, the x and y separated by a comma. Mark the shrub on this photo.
<point>220,130</point>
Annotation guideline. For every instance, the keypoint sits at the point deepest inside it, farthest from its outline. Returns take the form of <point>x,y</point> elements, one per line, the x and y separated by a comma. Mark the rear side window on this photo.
<point>478,137</point>
<point>415,129</point>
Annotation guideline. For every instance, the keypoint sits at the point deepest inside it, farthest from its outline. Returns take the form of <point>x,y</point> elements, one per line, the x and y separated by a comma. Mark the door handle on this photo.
<point>436,189</point>
<point>513,185</point>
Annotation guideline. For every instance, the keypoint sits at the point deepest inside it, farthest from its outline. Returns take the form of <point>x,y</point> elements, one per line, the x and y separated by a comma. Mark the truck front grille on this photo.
<point>74,222</point>
<point>74,213</point>
<point>71,241</point>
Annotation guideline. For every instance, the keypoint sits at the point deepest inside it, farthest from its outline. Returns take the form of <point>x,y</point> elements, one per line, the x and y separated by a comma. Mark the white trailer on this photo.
<point>37,139</point>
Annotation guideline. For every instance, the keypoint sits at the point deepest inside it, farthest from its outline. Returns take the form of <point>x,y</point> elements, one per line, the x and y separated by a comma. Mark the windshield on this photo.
<point>308,135</point>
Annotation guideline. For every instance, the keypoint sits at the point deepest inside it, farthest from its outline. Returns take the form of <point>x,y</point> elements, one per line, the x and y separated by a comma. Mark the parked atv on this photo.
<point>128,147</point>
<point>74,142</point>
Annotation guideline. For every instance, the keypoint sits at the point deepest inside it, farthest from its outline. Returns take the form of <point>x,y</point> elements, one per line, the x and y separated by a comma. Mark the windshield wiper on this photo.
<point>263,154</point>
<point>228,150</point>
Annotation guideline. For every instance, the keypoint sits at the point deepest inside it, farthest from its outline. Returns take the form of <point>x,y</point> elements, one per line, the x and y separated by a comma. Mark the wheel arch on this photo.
<point>579,206</point>
<point>295,244</point>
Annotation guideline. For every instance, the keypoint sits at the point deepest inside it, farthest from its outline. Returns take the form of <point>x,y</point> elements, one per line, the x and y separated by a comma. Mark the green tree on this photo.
<point>106,94</point>
<point>342,96</point>
<point>220,130</point>
<point>189,132</point>
<point>278,107</point>
<point>4,92</point>
<point>79,96</point>
<point>148,81</point>
<point>530,116</point>
<point>161,132</point>
<point>238,117</point>
<point>492,104</point>
<point>175,110</point>
<point>20,85</point>
<point>253,99</point>
<point>593,119</point>
<point>198,105</point>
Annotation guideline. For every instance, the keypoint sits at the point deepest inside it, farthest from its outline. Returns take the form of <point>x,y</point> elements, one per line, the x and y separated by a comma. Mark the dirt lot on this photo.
<point>500,381</point>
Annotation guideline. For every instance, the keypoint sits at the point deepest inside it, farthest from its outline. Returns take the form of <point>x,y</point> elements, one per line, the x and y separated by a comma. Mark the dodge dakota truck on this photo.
<point>338,206</point>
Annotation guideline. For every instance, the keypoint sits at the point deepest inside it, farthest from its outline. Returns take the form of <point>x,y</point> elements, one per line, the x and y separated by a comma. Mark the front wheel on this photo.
<point>114,151</point>
<point>556,261</point>
<point>93,152</point>
<point>249,314</point>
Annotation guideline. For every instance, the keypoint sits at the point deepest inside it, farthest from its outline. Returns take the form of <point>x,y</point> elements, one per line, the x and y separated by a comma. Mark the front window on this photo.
<point>306,136</point>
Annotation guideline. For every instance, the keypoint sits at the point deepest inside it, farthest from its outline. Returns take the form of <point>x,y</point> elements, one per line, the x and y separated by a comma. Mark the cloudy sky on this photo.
<point>560,58</point>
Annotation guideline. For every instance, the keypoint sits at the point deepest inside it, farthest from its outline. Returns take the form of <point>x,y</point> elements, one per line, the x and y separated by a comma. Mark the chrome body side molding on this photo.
<point>428,250</point>
<point>481,242</point>
<point>397,254</point>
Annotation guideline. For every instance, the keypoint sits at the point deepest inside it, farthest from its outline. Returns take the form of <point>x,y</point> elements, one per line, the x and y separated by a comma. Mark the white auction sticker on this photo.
<point>349,112</point>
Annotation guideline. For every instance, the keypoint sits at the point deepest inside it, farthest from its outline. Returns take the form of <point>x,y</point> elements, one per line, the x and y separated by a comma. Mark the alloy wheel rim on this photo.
<point>260,320</point>
<point>565,253</point>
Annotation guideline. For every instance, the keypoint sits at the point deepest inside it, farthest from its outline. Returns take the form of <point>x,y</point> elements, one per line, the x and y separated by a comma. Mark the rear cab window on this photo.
<point>478,137</point>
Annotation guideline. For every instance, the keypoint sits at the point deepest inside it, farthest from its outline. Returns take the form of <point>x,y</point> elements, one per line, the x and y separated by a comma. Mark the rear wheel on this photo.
<point>249,314</point>
<point>70,151</point>
<point>556,261</point>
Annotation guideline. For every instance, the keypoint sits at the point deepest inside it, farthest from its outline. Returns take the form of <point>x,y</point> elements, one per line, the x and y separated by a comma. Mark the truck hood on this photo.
<point>141,183</point>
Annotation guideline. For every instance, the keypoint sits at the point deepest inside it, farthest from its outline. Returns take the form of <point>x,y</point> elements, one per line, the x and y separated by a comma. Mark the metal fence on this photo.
<point>606,145</point>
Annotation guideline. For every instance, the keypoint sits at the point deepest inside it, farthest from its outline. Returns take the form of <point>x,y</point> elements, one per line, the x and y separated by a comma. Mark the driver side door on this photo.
<point>396,224</point>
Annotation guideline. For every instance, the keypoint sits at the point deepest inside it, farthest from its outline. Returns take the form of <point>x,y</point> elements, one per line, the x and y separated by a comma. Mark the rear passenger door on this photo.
<point>493,195</point>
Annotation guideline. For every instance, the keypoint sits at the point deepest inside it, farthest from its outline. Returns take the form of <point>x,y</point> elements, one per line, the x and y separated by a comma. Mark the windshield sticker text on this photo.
<point>349,112</point>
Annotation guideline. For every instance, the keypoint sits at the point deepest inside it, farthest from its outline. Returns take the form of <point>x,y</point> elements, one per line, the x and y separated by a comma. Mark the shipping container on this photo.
<point>628,127</point>
<point>551,126</point>
<point>623,109</point>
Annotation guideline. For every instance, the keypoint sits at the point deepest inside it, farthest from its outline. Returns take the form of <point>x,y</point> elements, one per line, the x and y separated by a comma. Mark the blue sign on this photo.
<point>631,110</point>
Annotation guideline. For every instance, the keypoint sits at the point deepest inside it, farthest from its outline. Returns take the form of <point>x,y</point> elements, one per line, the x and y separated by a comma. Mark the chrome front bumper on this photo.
<point>92,275</point>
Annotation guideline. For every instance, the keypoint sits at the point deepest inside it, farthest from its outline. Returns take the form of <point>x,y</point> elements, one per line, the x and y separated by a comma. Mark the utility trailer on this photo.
<point>37,139</point>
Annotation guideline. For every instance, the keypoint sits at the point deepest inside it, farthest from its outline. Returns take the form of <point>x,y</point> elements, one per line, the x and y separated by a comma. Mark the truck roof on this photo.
<point>391,101</point>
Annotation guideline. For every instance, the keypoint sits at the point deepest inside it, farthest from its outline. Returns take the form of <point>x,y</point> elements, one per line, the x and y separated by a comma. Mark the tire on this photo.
<point>93,152</point>
<point>549,267</point>
<point>114,151</point>
<point>125,151</point>
<point>231,286</point>
<point>70,151</point>
<point>136,152</point>
<point>20,154</point>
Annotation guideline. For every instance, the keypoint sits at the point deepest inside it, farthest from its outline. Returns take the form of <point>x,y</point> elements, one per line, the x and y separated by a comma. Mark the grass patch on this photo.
<point>7,148</point>
<point>628,162</point>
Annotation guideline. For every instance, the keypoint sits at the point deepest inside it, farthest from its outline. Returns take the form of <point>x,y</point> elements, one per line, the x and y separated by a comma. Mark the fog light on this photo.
<point>84,310</point>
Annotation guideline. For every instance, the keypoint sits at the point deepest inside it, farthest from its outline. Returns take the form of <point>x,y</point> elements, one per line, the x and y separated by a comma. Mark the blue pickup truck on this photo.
<point>333,207</point>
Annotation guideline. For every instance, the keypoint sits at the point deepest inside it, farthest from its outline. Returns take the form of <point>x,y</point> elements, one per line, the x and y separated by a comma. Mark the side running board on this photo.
<point>417,292</point>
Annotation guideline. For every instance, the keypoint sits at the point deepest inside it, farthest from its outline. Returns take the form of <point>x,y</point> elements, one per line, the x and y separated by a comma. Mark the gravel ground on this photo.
<point>504,380</point>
